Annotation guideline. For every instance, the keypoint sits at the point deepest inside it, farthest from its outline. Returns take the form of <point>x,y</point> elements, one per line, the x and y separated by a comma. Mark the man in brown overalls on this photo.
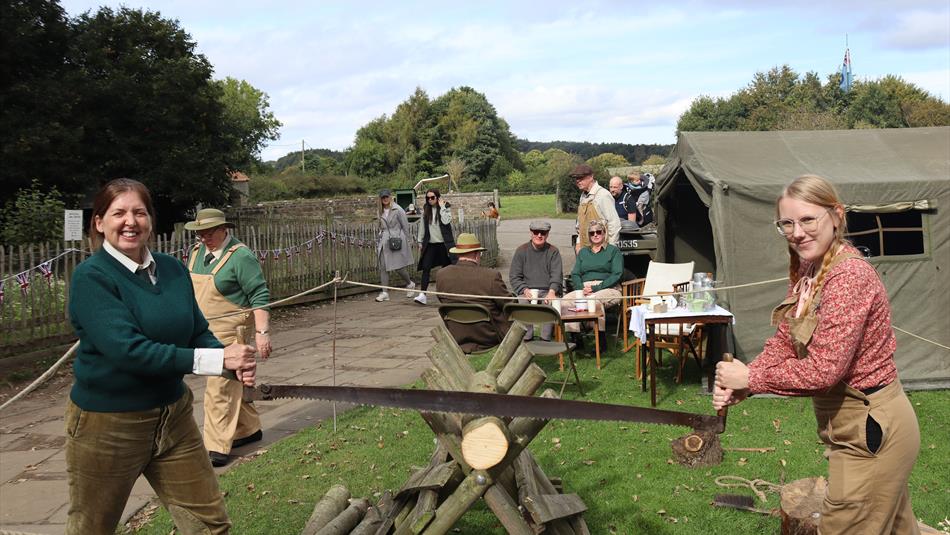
<point>228,280</point>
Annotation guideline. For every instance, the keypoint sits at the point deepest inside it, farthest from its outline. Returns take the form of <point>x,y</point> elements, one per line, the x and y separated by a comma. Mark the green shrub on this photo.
<point>35,215</point>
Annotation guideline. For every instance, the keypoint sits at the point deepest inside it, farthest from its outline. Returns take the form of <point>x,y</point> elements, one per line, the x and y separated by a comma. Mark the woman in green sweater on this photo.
<point>596,276</point>
<point>129,411</point>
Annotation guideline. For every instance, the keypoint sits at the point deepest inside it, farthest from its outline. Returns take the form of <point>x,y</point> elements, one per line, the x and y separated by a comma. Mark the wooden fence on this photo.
<point>293,256</point>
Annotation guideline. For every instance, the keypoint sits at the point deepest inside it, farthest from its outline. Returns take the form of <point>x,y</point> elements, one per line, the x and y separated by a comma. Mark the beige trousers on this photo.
<point>867,492</point>
<point>608,296</point>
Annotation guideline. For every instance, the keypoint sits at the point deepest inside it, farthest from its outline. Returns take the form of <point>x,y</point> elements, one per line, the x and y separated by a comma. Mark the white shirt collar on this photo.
<point>147,261</point>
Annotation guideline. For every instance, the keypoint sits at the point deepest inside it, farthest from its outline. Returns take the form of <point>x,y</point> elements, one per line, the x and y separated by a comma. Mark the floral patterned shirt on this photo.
<point>853,342</point>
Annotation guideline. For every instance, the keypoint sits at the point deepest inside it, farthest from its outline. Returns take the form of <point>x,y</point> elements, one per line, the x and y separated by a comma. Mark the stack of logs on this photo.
<point>475,457</point>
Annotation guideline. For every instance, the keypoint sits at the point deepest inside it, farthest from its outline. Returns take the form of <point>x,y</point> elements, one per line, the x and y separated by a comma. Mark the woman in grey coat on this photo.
<point>393,248</point>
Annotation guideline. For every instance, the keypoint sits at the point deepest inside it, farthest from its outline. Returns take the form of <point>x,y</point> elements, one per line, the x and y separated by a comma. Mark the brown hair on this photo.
<point>427,216</point>
<point>104,199</point>
<point>819,191</point>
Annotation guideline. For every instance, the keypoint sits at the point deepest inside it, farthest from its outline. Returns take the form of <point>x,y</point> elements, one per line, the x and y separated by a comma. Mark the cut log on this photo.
<point>697,449</point>
<point>448,358</point>
<point>512,371</point>
<point>459,502</point>
<point>529,382</point>
<point>483,382</point>
<point>347,520</point>
<point>801,505</point>
<point>506,349</point>
<point>485,442</point>
<point>332,504</point>
<point>375,516</point>
<point>505,508</point>
<point>408,503</point>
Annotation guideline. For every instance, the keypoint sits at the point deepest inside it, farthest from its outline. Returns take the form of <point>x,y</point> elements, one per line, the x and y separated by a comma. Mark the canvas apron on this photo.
<point>226,416</point>
<point>867,492</point>
<point>587,212</point>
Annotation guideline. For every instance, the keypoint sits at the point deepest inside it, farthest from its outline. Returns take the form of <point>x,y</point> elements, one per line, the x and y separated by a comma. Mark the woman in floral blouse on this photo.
<point>835,343</point>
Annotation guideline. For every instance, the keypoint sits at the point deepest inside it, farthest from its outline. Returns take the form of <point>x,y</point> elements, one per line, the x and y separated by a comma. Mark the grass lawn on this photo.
<point>622,471</point>
<point>530,206</point>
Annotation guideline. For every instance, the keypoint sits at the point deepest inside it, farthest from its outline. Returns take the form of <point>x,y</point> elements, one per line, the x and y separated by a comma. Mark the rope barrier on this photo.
<point>337,281</point>
<point>41,379</point>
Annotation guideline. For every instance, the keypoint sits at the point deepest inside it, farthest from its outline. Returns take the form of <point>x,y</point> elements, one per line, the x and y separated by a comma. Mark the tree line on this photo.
<point>116,93</point>
<point>781,99</point>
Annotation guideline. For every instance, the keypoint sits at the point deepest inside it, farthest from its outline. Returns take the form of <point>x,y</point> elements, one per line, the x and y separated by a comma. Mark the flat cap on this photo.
<point>385,192</point>
<point>581,170</point>
<point>540,225</point>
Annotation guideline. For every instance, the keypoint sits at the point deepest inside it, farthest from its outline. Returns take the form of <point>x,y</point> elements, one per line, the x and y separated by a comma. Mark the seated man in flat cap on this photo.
<point>536,272</point>
<point>468,277</point>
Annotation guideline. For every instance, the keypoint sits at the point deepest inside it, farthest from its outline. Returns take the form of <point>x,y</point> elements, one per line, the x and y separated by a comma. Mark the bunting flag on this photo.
<point>261,255</point>
<point>276,253</point>
<point>310,246</point>
<point>46,269</point>
<point>2,282</point>
<point>23,278</point>
<point>184,258</point>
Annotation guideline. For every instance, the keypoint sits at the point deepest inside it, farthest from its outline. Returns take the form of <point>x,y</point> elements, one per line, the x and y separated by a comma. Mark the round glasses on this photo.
<point>786,227</point>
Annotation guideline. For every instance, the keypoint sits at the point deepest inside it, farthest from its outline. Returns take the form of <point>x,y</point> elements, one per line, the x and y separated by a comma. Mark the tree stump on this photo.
<point>801,505</point>
<point>697,449</point>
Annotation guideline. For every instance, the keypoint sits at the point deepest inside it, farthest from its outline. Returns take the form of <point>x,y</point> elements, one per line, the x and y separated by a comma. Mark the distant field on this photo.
<point>528,206</point>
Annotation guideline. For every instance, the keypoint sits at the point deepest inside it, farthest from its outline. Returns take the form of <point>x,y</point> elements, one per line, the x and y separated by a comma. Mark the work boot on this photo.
<point>383,296</point>
<point>421,299</point>
<point>250,439</point>
<point>218,459</point>
<point>411,290</point>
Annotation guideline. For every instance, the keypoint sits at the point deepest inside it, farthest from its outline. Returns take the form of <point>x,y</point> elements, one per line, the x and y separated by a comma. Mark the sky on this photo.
<point>600,71</point>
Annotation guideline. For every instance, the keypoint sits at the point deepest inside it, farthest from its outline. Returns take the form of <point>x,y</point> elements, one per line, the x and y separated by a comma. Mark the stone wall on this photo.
<point>472,204</point>
<point>358,209</point>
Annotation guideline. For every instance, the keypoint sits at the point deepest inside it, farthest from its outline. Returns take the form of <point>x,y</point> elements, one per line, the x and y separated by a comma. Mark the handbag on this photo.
<point>395,244</point>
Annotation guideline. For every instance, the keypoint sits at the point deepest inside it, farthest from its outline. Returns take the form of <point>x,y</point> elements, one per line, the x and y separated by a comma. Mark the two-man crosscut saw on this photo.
<point>487,404</point>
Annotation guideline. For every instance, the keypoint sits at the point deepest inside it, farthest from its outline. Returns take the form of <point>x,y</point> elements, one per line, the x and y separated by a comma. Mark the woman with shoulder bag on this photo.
<point>392,249</point>
<point>435,235</point>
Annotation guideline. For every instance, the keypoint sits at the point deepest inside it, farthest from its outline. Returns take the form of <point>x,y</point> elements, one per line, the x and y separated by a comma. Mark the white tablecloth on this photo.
<point>640,314</point>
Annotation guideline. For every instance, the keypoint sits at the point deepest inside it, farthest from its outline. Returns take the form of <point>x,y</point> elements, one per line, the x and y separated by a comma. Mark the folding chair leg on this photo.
<point>577,377</point>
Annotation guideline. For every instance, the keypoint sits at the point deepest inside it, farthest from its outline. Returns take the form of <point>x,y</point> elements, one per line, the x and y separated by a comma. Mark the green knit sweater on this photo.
<point>136,340</point>
<point>605,266</point>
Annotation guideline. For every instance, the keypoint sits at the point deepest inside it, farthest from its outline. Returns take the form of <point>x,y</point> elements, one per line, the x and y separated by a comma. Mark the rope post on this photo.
<point>336,285</point>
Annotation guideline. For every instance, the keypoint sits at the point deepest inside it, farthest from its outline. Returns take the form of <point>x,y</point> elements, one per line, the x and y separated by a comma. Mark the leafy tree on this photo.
<point>34,215</point>
<point>601,162</point>
<point>39,139</point>
<point>654,159</point>
<point>149,110</point>
<point>635,154</point>
<point>456,168</point>
<point>247,122</point>
<point>780,99</point>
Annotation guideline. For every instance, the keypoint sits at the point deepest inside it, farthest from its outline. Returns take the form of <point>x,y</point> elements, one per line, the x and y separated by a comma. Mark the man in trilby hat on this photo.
<point>469,277</point>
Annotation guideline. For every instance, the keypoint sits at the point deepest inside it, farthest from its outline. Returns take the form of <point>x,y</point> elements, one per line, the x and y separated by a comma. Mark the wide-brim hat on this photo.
<point>208,218</point>
<point>467,243</point>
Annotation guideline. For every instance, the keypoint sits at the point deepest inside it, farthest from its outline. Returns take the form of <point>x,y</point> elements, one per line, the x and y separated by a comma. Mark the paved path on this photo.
<point>33,490</point>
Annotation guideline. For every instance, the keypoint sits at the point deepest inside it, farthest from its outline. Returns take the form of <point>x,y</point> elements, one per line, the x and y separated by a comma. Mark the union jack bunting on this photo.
<point>310,246</point>
<point>23,278</point>
<point>276,253</point>
<point>262,255</point>
<point>2,282</point>
<point>47,271</point>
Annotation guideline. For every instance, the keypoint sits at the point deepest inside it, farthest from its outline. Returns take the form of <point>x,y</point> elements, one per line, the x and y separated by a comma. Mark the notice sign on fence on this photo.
<point>72,225</point>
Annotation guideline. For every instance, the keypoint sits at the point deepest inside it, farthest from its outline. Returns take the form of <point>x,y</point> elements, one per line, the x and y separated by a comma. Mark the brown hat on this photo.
<point>581,170</point>
<point>208,218</point>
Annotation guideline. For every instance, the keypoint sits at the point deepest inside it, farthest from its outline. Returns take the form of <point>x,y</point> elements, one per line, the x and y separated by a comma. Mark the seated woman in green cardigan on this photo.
<point>597,274</point>
<point>129,412</point>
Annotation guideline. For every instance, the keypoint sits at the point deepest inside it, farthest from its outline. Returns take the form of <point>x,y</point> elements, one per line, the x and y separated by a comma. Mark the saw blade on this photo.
<point>486,404</point>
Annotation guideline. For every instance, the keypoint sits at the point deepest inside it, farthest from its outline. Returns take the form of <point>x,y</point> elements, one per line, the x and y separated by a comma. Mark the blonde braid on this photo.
<point>830,255</point>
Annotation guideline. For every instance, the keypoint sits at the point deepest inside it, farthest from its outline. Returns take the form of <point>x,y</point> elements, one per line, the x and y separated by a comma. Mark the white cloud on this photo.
<point>920,30</point>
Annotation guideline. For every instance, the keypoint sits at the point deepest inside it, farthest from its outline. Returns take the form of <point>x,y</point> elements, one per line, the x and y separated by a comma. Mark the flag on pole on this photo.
<point>846,71</point>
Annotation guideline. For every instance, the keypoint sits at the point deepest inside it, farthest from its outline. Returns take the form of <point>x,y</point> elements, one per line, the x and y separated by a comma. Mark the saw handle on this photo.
<point>726,357</point>
<point>240,338</point>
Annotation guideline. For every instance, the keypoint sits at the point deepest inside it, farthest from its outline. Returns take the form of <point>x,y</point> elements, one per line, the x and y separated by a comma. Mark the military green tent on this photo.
<point>716,204</point>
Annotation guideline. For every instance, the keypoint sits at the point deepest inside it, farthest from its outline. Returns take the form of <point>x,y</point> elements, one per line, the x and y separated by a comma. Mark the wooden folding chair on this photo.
<point>532,315</point>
